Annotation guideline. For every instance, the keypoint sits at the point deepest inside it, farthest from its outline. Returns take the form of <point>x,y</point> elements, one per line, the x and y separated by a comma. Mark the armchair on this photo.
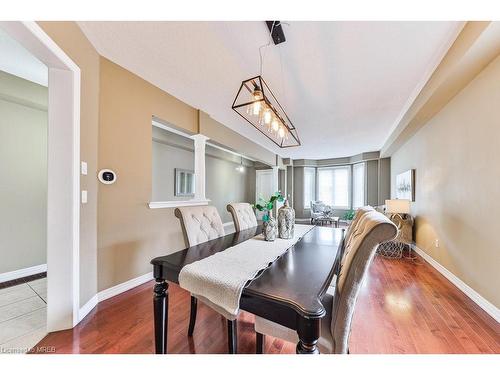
<point>317,208</point>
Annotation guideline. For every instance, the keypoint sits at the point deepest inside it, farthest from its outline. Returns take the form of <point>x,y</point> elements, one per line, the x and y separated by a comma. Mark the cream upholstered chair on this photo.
<point>243,215</point>
<point>352,227</point>
<point>371,229</point>
<point>201,224</point>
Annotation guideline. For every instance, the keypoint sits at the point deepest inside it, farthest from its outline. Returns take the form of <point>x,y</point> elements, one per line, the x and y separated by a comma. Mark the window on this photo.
<point>309,186</point>
<point>333,186</point>
<point>358,185</point>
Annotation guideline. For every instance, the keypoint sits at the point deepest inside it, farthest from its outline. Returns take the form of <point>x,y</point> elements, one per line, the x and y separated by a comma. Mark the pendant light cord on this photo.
<point>266,45</point>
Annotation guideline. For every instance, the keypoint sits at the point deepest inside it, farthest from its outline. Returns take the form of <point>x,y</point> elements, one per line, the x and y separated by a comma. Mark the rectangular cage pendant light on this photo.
<point>256,103</point>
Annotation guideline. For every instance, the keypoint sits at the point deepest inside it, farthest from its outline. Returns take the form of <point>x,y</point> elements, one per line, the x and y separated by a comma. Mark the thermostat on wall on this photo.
<point>107,176</point>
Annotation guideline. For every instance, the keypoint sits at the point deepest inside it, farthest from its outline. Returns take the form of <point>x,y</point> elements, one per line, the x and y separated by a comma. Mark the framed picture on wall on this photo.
<point>184,183</point>
<point>405,185</point>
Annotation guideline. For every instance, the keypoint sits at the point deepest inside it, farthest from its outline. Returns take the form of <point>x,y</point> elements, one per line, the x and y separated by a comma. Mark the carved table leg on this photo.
<point>160,304</point>
<point>308,331</point>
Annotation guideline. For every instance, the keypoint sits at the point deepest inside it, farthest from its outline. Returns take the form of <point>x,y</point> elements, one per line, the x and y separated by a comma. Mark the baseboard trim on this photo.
<point>111,292</point>
<point>13,275</point>
<point>479,300</point>
<point>85,309</point>
<point>123,287</point>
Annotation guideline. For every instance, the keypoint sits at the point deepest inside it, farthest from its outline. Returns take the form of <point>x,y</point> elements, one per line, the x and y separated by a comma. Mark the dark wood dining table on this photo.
<point>288,292</point>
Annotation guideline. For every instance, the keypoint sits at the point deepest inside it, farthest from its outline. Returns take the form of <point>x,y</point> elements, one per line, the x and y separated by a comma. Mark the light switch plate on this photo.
<point>84,196</point>
<point>84,168</point>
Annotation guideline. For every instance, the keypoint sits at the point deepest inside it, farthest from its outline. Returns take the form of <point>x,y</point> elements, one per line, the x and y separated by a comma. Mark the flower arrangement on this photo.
<point>268,205</point>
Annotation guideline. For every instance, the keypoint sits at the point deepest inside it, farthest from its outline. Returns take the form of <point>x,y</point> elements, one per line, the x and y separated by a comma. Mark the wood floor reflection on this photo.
<point>405,307</point>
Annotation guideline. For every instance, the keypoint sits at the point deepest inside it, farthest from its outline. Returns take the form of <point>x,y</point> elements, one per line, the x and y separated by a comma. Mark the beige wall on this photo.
<point>130,233</point>
<point>456,156</point>
<point>23,173</point>
<point>74,43</point>
<point>119,233</point>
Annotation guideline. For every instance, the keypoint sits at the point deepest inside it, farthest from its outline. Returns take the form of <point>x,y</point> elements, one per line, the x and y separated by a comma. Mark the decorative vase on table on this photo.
<point>286,221</point>
<point>270,227</point>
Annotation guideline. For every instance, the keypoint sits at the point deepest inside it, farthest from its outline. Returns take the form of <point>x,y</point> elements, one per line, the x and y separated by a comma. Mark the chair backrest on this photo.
<point>199,224</point>
<point>243,216</point>
<point>359,213</point>
<point>317,206</point>
<point>371,230</point>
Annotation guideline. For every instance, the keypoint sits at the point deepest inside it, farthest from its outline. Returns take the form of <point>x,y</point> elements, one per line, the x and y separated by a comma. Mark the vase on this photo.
<point>286,221</point>
<point>270,228</point>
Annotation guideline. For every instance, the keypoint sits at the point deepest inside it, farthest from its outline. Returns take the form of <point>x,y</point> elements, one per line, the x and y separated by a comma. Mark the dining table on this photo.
<point>288,292</point>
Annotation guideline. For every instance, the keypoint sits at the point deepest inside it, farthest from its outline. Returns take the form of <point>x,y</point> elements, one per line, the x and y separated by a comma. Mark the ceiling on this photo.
<point>344,85</point>
<point>16,60</point>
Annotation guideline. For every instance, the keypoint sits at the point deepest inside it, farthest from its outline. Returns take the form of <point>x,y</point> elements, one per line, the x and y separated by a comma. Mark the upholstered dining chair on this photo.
<point>371,229</point>
<point>243,216</point>
<point>201,224</point>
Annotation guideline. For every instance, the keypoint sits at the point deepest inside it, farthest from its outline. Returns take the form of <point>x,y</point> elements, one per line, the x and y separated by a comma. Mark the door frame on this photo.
<point>273,171</point>
<point>63,166</point>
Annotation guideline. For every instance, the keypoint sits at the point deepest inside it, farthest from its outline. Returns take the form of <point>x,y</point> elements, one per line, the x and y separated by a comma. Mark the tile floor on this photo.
<point>23,316</point>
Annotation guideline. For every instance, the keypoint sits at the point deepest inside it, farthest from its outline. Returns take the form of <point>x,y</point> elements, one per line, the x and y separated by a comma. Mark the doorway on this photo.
<point>63,168</point>
<point>23,197</point>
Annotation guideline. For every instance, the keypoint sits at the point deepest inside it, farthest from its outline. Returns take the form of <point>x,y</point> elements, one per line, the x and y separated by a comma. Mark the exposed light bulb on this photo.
<point>267,116</point>
<point>275,124</point>
<point>281,132</point>
<point>256,107</point>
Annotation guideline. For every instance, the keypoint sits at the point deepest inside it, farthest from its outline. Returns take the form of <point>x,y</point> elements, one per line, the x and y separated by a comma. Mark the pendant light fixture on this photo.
<point>257,104</point>
<point>240,168</point>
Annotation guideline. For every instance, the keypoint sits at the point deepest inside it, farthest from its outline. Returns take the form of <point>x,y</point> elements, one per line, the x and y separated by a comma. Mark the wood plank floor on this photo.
<point>404,307</point>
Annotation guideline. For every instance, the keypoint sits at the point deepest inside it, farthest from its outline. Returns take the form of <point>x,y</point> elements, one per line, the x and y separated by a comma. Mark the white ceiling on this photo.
<point>344,85</point>
<point>16,60</point>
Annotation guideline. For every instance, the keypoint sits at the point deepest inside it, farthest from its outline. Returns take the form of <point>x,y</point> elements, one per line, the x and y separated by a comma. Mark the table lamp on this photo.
<point>399,207</point>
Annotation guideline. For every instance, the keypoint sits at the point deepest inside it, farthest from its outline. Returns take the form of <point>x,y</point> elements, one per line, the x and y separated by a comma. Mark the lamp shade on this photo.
<point>397,206</point>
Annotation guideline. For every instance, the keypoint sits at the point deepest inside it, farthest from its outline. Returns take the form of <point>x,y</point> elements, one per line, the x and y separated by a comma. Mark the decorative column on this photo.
<point>199,166</point>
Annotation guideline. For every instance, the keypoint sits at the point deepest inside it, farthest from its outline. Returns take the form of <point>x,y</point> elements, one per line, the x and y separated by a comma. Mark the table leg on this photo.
<point>308,331</point>
<point>160,305</point>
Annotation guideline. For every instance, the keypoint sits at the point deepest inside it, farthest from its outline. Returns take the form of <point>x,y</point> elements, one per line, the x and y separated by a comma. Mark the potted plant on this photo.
<point>270,223</point>
<point>348,216</point>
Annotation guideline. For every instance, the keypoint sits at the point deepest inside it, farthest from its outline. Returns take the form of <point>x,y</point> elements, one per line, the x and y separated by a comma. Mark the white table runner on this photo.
<point>220,278</point>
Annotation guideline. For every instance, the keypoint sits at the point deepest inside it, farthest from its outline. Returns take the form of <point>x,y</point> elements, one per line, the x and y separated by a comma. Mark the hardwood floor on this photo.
<point>404,307</point>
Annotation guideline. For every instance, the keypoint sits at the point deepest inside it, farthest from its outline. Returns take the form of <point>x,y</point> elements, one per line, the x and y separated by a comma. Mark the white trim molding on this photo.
<point>23,272</point>
<point>85,309</point>
<point>173,204</point>
<point>113,291</point>
<point>482,302</point>
<point>123,287</point>
<point>199,165</point>
<point>63,172</point>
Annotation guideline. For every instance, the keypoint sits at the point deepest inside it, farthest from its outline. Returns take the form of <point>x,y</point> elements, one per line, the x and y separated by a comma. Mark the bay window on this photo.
<point>309,186</point>
<point>334,186</point>
<point>358,185</point>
